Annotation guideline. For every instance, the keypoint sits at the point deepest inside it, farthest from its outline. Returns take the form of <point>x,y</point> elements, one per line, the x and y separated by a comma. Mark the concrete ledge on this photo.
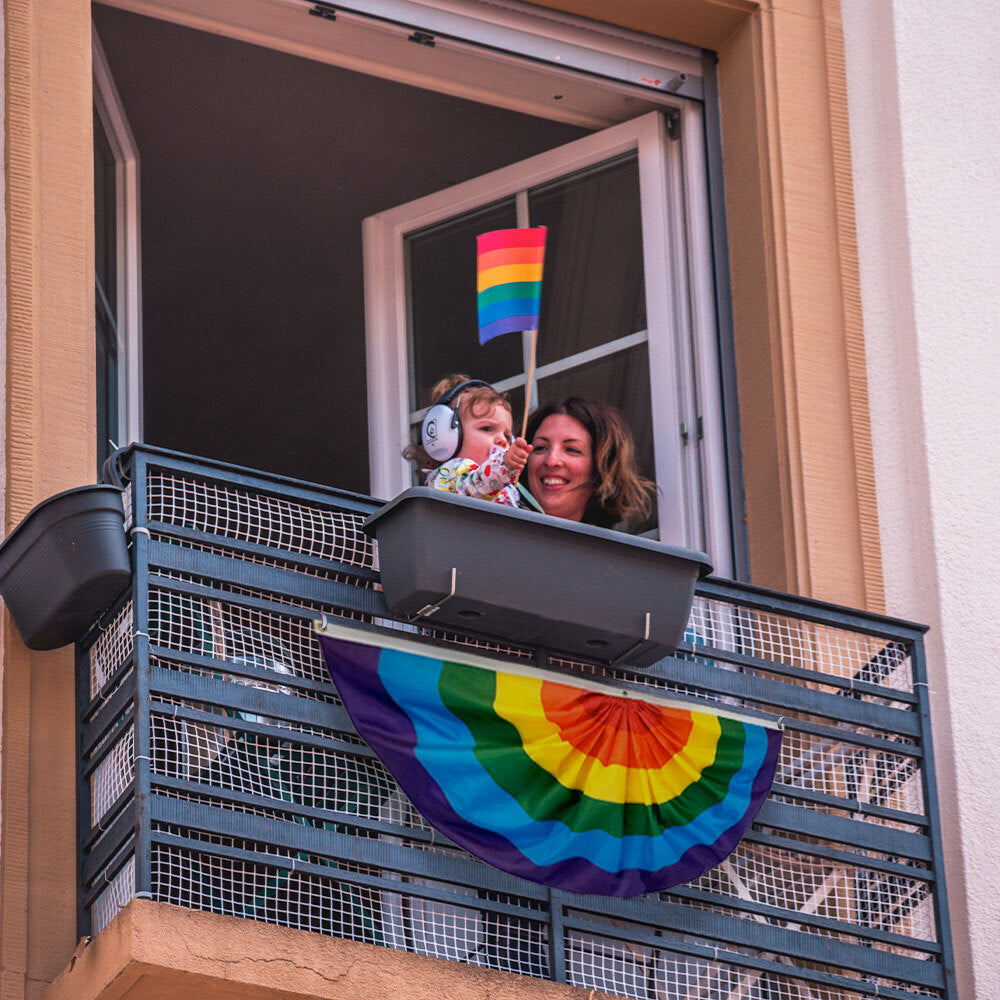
<point>155,951</point>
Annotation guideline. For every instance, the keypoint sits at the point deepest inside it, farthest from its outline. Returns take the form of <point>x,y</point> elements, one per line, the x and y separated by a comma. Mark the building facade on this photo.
<point>857,237</point>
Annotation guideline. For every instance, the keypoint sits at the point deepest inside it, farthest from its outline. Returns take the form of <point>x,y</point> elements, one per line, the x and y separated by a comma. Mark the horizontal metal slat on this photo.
<point>458,868</point>
<point>789,697</point>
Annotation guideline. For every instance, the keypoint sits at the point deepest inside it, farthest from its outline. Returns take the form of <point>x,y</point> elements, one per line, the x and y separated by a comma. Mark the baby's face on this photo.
<point>480,433</point>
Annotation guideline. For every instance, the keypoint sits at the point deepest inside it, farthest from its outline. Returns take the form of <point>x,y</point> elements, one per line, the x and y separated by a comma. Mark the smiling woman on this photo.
<point>583,464</point>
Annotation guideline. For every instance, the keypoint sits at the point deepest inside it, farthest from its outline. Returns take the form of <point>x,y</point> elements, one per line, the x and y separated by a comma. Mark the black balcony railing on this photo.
<point>218,770</point>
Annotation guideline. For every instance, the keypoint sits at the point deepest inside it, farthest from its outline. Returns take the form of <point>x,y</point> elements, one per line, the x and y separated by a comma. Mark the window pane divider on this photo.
<point>562,365</point>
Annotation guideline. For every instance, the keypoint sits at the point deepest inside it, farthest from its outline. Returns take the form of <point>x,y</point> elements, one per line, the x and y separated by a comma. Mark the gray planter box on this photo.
<point>64,564</point>
<point>530,578</point>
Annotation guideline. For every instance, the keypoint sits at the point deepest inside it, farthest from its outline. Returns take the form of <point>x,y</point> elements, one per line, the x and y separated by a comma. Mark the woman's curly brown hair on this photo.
<point>479,401</point>
<point>620,492</point>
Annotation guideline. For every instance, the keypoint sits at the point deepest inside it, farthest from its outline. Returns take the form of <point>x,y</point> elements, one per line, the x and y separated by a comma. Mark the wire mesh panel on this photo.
<point>255,516</point>
<point>112,776</point>
<point>660,973</point>
<point>824,649</point>
<point>804,885</point>
<point>119,891</point>
<point>320,894</point>
<point>111,649</point>
<point>206,699</point>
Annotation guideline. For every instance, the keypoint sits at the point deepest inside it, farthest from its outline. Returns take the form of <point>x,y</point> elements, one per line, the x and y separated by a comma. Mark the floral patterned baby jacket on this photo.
<point>491,481</point>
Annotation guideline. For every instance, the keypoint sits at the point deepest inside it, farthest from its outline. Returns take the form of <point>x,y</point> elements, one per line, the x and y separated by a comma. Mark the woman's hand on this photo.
<point>517,455</point>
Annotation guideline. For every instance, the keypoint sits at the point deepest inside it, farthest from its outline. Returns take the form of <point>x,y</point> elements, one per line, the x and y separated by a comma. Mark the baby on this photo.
<point>469,430</point>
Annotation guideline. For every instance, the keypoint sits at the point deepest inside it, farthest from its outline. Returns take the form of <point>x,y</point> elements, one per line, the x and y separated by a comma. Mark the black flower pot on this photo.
<point>526,577</point>
<point>64,564</point>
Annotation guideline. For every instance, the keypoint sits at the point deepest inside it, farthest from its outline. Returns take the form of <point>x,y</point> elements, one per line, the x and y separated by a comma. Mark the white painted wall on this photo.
<point>923,89</point>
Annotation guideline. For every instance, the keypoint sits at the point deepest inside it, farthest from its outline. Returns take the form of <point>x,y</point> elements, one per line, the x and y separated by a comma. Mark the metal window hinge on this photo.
<point>699,430</point>
<point>325,10</point>
<point>422,38</point>
<point>673,122</point>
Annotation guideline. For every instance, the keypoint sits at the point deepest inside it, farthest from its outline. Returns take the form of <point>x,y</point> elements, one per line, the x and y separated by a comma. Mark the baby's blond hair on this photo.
<point>478,401</point>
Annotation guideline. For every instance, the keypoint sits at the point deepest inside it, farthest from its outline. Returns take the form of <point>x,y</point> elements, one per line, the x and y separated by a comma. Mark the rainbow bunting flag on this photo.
<point>561,781</point>
<point>509,282</point>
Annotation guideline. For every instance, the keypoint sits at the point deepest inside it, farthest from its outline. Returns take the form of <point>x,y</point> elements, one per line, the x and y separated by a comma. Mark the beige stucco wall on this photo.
<point>808,474</point>
<point>50,430</point>
<point>925,116</point>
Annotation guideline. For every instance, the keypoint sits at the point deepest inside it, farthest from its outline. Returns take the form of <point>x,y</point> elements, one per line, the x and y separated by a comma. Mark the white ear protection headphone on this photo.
<point>441,431</point>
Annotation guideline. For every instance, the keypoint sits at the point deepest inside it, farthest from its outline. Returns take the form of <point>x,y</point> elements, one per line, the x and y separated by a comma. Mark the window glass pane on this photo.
<point>107,386</point>
<point>444,327</point>
<point>621,379</point>
<point>593,289</point>
<point>105,214</point>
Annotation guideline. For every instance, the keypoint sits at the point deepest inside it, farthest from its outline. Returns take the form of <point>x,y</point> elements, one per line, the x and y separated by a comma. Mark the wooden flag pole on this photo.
<point>527,385</point>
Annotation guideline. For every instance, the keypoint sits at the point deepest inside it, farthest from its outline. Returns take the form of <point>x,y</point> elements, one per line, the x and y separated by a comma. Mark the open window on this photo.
<point>627,306</point>
<point>271,130</point>
<point>116,266</point>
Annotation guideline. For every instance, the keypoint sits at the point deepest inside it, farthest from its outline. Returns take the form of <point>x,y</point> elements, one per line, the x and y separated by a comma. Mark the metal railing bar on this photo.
<point>929,778</point>
<point>273,579</point>
<point>849,805</point>
<point>109,818</point>
<point>127,850</point>
<point>91,737</point>
<point>81,665</point>
<point>846,684</point>
<point>557,935</point>
<point>239,668</point>
<point>870,836</point>
<point>782,696</point>
<point>97,707</point>
<point>270,730</point>
<point>240,698</point>
<point>747,595</point>
<point>849,736</point>
<point>384,827</point>
<point>783,941</point>
<point>735,958</point>
<point>124,827</point>
<point>91,636</point>
<point>461,869</point>
<point>758,909</point>
<point>287,680</point>
<point>814,850</point>
<point>646,910</point>
<point>370,602</point>
<point>255,549</point>
<point>281,487</point>
<point>385,883</point>
<point>788,696</point>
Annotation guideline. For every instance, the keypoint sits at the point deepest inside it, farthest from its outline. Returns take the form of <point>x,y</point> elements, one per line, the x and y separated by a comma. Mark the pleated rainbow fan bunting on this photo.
<point>557,780</point>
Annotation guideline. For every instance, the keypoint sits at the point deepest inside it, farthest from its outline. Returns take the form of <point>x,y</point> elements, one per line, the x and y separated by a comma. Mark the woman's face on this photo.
<point>561,466</point>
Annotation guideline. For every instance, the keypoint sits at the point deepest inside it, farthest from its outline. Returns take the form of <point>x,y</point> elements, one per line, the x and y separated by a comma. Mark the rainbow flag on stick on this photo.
<point>509,282</point>
<point>557,779</point>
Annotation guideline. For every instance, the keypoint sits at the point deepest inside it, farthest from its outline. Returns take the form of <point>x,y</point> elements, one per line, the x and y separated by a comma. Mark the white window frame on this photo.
<point>505,53</point>
<point>540,62</point>
<point>682,340</point>
<point>129,288</point>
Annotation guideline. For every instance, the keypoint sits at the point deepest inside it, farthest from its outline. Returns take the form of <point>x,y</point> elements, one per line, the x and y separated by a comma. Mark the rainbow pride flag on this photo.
<point>509,282</point>
<point>561,781</point>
